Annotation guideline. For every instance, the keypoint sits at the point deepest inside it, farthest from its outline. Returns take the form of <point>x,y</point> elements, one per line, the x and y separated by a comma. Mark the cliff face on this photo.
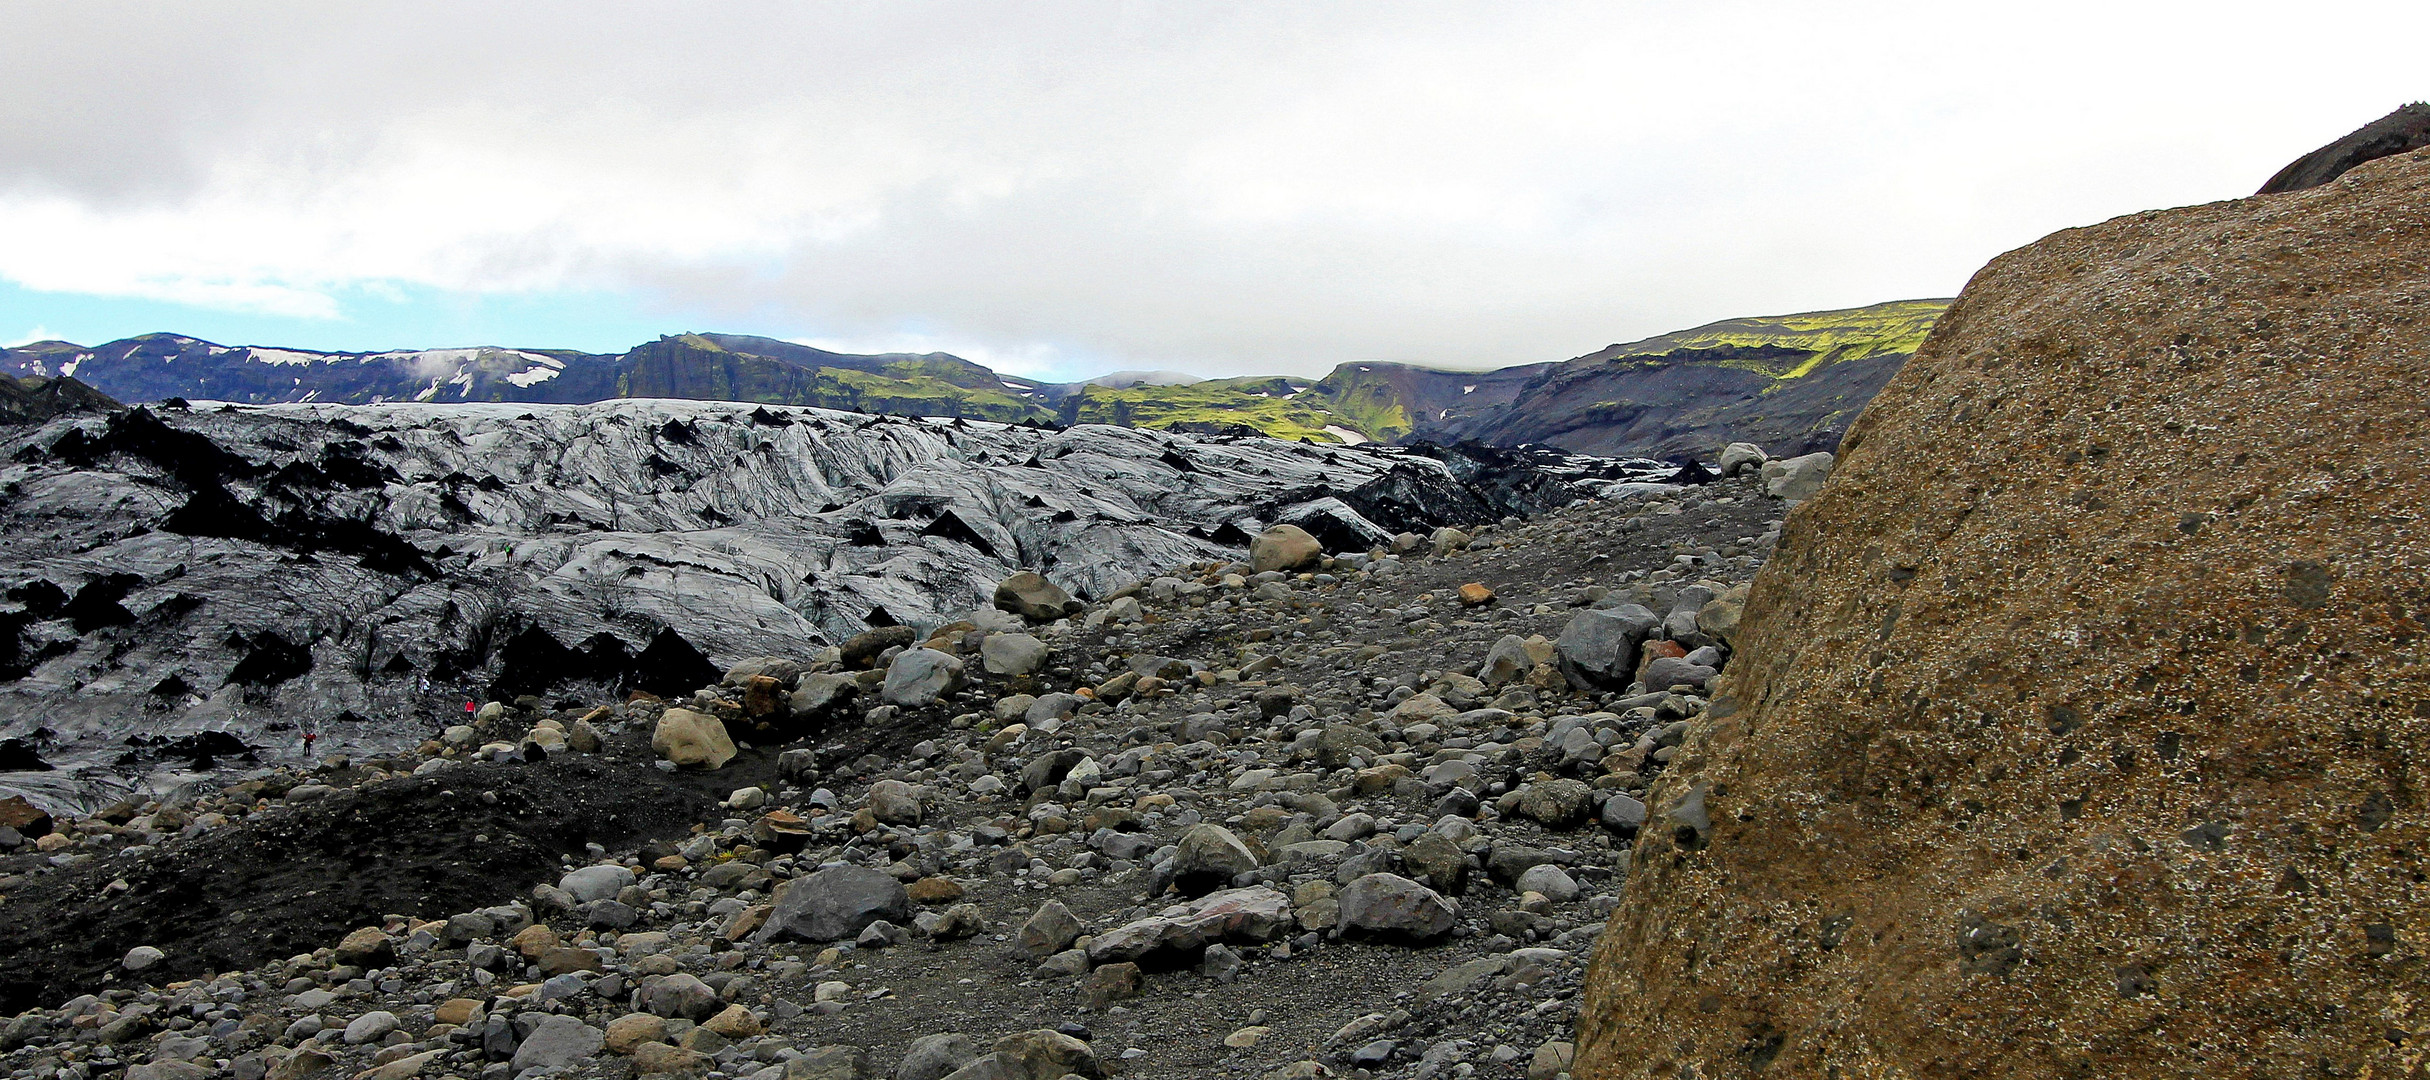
<point>2078,726</point>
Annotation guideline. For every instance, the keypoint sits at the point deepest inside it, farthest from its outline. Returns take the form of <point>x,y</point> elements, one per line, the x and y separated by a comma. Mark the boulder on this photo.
<point>894,802</point>
<point>601,882</point>
<point>861,650</point>
<point>1741,457</point>
<point>1256,913</point>
<point>835,904</point>
<point>2130,561</point>
<point>31,821</point>
<point>1392,906</point>
<point>918,677</point>
<point>1437,862</point>
<point>1558,804</point>
<point>1550,881</point>
<point>785,672</point>
<point>1047,1054</point>
<point>1796,479</point>
<point>558,1042</point>
<point>1664,672</point>
<point>1284,547</point>
<point>366,947</point>
<point>677,996</point>
<point>1718,620</point>
<point>831,1062</point>
<point>1034,598</point>
<point>694,739</point>
<point>1209,858</point>
<point>933,1057</point>
<point>1050,930</point>
<point>822,695</point>
<point>1598,647</point>
<point>632,1029</point>
<point>1013,654</point>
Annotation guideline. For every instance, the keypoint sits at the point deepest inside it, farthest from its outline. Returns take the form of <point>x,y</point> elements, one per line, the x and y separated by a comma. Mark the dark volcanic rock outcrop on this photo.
<point>2077,727</point>
<point>34,399</point>
<point>2407,128</point>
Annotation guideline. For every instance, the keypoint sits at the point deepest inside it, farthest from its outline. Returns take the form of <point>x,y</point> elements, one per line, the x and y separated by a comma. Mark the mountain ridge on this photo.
<point>1787,381</point>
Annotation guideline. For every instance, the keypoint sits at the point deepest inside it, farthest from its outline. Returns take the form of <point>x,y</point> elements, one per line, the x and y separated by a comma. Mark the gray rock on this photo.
<point>833,1062</point>
<point>1554,882</point>
<point>1220,963</point>
<point>933,1057</point>
<point>823,694</point>
<point>1256,913</point>
<point>677,996</point>
<point>1032,597</point>
<point>1013,654</point>
<point>1438,862</point>
<point>1664,672</point>
<point>1209,858</point>
<point>1741,457</point>
<point>1045,771</point>
<point>1050,930</point>
<point>1342,742</point>
<point>785,672</point>
<point>369,1027</point>
<point>894,802</point>
<point>1057,706</point>
<point>1393,906</point>
<point>1506,861</point>
<point>1507,661</point>
<point>559,1041</point>
<point>918,677</point>
<point>1598,648</point>
<point>1373,1055</point>
<point>601,882</point>
<point>142,957</point>
<point>1796,479</point>
<point>1623,814</point>
<point>834,904</point>
<point>1558,804</point>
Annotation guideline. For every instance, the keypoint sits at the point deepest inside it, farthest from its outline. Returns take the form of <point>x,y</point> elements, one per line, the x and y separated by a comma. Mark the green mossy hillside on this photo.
<point>1273,405</point>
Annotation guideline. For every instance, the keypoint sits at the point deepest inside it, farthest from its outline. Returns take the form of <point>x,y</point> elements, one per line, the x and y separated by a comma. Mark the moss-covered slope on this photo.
<point>1788,382</point>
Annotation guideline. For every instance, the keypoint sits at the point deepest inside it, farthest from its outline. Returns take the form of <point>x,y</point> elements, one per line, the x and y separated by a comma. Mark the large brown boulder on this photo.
<point>2077,727</point>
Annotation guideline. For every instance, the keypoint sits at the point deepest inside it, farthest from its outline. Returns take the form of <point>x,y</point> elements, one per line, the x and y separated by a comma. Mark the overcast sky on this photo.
<point>1062,189</point>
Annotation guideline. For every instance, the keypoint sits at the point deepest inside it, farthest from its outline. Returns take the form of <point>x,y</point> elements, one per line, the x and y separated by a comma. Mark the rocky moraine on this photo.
<point>1323,811</point>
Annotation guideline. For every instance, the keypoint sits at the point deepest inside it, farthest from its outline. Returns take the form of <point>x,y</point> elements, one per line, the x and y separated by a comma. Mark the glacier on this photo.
<point>363,571</point>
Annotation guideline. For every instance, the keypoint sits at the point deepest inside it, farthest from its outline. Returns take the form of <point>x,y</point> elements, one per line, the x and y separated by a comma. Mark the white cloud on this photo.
<point>1219,188</point>
<point>38,333</point>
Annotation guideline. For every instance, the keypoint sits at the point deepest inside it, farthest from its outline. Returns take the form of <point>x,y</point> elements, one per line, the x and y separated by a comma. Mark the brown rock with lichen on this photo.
<point>2077,727</point>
